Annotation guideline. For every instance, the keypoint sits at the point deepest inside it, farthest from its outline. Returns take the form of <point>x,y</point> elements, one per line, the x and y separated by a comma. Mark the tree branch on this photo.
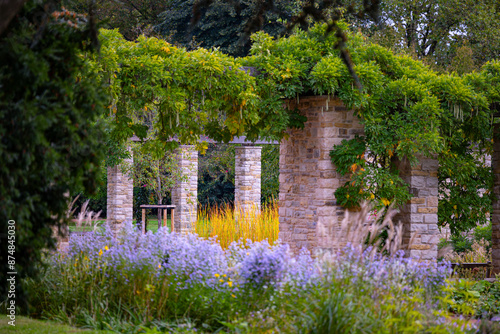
<point>8,10</point>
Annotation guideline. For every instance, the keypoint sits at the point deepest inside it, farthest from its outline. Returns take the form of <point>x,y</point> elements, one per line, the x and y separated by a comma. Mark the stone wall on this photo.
<point>247,177</point>
<point>419,217</point>
<point>120,196</point>
<point>309,214</point>
<point>185,193</point>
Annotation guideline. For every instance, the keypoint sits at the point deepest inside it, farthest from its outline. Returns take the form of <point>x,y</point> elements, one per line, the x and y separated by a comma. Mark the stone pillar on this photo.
<point>420,216</point>
<point>247,177</point>
<point>308,211</point>
<point>495,214</point>
<point>120,200</point>
<point>185,193</point>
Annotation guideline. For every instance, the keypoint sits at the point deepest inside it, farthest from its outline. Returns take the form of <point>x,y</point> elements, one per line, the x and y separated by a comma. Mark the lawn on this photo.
<point>31,326</point>
<point>152,225</point>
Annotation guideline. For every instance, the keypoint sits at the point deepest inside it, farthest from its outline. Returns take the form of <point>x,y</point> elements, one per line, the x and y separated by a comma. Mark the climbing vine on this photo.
<point>201,92</point>
<point>407,110</point>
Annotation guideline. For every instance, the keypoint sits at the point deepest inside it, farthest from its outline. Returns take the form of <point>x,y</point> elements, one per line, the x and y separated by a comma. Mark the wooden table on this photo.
<point>159,207</point>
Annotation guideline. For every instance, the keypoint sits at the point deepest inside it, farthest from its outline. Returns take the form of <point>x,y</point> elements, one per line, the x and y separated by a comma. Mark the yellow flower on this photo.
<point>233,296</point>
<point>347,196</point>
<point>216,275</point>
<point>100,252</point>
<point>221,280</point>
<point>75,264</point>
<point>386,201</point>
<point>106,248</point>
<point>224,275</point>
<point>455,207</point>
<point>159,266</point>
<point>392,182</point>
<point>372,196</point>
<point>86,258</point>
<point>230,283</point>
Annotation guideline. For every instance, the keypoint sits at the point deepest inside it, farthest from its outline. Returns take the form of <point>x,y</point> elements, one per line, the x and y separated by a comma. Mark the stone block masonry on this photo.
<point>248,177</point>
<point>120,196</point>
<point>309,214</point>
<point>185,193</point>
<point>419,216</point>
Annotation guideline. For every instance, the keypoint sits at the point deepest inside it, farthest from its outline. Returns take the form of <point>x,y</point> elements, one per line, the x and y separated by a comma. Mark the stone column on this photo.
<point>120,200</point>
<point>185,193</point>
<point>420,216</point>
<point>247,177</point>
<point>495,215</point>
<point>308,211</point>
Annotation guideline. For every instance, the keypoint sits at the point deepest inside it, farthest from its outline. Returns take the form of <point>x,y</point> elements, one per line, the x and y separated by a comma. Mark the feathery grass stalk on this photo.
<point>228,225</point>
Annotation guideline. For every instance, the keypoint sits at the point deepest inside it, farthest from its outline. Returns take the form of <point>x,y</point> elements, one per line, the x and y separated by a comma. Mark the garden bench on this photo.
<point>159,207</point>
<point>473,266</point>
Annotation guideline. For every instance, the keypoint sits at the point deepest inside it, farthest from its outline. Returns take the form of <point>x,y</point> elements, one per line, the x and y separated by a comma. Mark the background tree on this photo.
<point>51,136</point>
<point>158,173</point>
<point>131,17</point>
<point>442,33</point>
<point>224,25</point>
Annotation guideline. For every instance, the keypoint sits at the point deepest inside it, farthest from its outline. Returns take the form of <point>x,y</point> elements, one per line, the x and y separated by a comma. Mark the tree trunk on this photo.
<point>8,10</point>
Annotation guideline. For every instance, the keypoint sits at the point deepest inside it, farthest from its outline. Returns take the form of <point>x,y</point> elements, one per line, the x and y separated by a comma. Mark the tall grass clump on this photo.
<point>227,224</point>
<point>185,283</point>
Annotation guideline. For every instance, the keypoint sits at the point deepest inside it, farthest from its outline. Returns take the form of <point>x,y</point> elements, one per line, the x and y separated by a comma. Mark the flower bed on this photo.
<point>166,281</point>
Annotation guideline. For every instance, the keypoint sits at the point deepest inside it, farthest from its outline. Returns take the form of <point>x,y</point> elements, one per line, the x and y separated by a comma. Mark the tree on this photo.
<point>131,17</point>
<point>158,173</point>
<point>50,132</point>
<point>222,25</point>
<point>438,31</point>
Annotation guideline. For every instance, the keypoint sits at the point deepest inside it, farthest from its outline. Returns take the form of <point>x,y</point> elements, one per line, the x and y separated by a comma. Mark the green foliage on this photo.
<point>462,242</point>
<point>479,299</point>
<point>270,183</point>
<point>216,175</point>
<point>51,142</point>
<point>222,26</point>
<point>407,110</point>
<point>220,101</point>
<point>453,35</point>
<point>131,17</point>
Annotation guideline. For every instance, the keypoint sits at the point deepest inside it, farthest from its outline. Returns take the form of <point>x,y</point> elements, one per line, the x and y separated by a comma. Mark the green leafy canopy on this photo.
<point>407,110</point>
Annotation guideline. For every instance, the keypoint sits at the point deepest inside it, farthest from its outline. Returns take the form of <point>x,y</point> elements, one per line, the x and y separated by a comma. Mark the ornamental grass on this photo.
<point>227,224</point>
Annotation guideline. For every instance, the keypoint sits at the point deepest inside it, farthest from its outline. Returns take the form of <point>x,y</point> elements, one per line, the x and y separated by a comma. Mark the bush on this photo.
<point>51,132</point>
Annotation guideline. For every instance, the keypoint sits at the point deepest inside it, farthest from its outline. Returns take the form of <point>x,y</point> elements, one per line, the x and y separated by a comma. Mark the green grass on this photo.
<point>31,326</point>
<point>152,225</point>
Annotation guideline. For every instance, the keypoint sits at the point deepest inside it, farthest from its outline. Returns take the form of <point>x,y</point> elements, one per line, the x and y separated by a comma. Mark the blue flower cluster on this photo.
<point>188,260</point>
